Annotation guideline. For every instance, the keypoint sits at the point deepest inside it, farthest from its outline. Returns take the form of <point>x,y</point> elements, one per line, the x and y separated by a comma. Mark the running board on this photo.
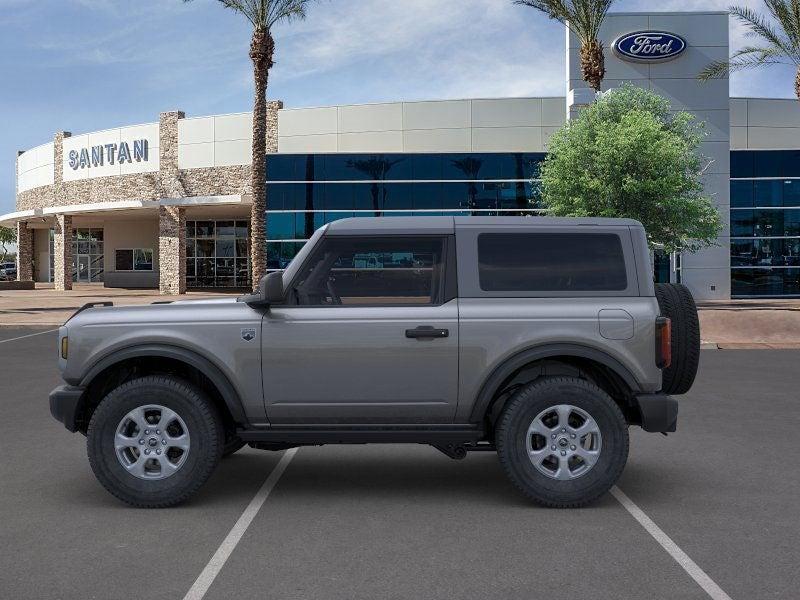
<point>364,434</point>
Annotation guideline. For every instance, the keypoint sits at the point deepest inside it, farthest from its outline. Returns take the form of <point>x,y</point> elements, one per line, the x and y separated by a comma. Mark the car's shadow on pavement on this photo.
<point>234,482</point>
<point>417,475</point>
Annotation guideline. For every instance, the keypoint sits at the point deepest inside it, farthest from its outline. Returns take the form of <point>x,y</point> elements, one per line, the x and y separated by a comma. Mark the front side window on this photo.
<point>372,272</point>
<point>551,262</point>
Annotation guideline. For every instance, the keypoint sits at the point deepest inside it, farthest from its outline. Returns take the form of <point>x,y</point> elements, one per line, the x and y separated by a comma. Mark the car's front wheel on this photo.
<point>153,441</point>
<point>562,440</point>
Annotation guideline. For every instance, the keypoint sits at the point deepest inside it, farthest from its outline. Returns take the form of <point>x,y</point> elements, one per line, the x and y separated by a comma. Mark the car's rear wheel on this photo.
<point>152,442</point>
<point>562,441</point>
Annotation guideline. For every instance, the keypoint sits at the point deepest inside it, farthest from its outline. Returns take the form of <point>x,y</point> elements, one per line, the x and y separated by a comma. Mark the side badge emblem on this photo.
<point>248,335</point>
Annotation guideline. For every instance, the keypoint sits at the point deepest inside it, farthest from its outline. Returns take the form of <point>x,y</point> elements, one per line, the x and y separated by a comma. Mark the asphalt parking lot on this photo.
<point>406,521</point>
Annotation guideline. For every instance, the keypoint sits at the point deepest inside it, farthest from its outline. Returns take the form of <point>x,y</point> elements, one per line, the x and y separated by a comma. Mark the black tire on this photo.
<point>205,430</point>
<point>512,428</point>
<point>676,302</point>
<point>233,444</point>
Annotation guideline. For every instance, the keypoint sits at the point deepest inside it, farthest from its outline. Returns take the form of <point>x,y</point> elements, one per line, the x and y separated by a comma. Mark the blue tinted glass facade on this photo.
<point>765,223</point>
<point>305,191</point>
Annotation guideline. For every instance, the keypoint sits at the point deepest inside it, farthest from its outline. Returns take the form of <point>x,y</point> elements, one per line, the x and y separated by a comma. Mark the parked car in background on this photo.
<point>8,271</point>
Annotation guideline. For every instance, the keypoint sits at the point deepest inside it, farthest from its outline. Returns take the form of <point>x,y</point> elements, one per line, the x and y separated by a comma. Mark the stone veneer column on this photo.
<point>24,252</point>
<point>273,106</point>
<point>58,164</point>
<point>171,219</point>
<point>171,250</point>
<point>62,250</point>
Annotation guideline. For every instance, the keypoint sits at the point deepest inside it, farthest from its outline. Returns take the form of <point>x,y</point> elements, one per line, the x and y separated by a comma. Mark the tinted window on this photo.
<point>390,271</point>
<point>742,164</point>
<point>551,262</point>
<point>741,194</point>
<point>124,260</point>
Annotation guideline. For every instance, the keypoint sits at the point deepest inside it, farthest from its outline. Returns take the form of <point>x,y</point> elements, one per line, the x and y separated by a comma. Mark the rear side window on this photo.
<point>551,262</point>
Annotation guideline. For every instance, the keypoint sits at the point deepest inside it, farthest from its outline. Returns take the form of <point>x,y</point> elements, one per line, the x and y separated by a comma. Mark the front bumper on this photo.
<point>659,412</point>
<point>64,401</point>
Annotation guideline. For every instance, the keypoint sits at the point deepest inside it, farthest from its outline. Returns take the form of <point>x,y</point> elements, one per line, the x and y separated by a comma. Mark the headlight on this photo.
<point>64,347</point>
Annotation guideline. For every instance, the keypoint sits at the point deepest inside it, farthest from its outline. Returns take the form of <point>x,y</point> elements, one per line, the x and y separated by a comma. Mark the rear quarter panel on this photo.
<point>493,330</point>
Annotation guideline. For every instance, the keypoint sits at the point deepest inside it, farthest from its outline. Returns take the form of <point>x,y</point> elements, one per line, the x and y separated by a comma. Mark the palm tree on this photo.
<point>584,19</point>
<point>262,15</point>
<point>780,42</point>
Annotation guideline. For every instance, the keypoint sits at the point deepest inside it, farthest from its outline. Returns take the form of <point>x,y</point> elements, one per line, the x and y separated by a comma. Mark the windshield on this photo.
<point>294,265</point>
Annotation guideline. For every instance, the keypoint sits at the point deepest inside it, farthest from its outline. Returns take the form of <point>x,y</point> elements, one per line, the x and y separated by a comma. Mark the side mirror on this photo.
<point>271,288</point>
<point>270,291</point>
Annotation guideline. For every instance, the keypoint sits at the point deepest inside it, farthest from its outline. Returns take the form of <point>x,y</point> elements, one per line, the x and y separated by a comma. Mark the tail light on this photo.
<point>663,342</point>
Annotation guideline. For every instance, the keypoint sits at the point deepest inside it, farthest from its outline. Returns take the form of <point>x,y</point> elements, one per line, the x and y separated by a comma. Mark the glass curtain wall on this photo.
<point>305,191</point>
<point>218,254</point>
<point>765,223</point>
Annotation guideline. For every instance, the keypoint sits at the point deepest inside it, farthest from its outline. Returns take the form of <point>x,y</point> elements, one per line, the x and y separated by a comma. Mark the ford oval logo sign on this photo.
<point>649,46</point>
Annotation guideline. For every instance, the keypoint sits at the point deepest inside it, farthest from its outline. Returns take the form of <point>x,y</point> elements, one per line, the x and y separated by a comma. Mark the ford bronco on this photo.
<point>542,339</point>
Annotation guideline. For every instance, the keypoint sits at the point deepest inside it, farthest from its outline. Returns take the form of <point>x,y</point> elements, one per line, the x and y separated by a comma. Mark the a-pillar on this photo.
<point>171,250</point>
<point>24,252</point>
<point>62,253</point>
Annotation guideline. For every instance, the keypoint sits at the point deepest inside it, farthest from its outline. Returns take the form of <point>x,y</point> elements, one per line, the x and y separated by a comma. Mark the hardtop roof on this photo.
<point>441,225</point>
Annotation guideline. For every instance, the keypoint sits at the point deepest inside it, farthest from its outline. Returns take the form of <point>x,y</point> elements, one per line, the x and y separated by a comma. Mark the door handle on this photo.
<point>427,332</point>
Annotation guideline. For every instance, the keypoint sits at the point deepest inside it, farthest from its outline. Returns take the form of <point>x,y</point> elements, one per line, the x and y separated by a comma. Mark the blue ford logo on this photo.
<point>649,46</point>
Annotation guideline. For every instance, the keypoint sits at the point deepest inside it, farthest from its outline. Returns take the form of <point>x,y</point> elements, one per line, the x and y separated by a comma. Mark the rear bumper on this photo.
<point>659,412</point>
<point>64,402</point>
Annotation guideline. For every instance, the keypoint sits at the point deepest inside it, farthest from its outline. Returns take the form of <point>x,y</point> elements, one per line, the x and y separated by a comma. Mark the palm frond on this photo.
<point>759,26</point>
<point>783,12</point>
<point>583,17</point>
<point>285,10</point>
<point>263,14</point>
<point>745,58</point>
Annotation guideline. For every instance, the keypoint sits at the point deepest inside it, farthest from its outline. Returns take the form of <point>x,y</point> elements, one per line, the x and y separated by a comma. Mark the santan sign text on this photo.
<point>97,156</point>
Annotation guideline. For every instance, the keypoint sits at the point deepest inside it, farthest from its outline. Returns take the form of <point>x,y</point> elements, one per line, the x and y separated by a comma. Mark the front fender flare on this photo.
<point>502,372</point>
<point>226,389</point>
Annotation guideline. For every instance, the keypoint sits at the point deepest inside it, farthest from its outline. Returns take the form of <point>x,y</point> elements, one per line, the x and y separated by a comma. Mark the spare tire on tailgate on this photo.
<point>676,302</point>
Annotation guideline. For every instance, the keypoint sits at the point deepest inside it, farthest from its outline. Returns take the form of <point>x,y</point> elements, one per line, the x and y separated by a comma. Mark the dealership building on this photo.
<point>167,204</point>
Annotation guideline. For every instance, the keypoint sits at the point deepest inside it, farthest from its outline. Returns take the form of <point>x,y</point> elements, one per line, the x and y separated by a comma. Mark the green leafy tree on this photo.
<point>584,19</point>
<point>778,40</point>
<point>8,236</point>
<point>263,15</point>
<point>628,156</point>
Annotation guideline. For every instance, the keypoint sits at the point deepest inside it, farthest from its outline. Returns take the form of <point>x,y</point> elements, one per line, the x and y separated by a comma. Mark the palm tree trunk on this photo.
<point>593,64</point>
<point>262,48</point>
<point>797,84</point>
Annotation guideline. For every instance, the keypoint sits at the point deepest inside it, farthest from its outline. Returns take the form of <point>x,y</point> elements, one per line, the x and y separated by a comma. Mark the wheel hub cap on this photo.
<point>563,442</point>
<point>152,442</point>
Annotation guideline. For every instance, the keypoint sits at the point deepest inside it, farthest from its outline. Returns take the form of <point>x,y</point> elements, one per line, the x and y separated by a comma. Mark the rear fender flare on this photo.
<point>510,365</point>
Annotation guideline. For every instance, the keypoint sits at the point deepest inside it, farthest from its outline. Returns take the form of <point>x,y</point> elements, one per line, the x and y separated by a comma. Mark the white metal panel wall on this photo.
<point>707,272</point>
<point>765,124</point>
<point>35,167</point>
<point>215,141</point>
<point>483,125</point>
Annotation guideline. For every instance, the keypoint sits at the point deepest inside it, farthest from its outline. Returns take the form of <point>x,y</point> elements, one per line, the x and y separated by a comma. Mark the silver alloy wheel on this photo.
<point>152,442</point>
<point>563,442</point>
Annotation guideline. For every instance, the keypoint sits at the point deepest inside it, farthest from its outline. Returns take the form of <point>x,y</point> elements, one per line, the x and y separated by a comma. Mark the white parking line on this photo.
<point>22,337</point>
<point>688,565</point>
<point>214,566</point>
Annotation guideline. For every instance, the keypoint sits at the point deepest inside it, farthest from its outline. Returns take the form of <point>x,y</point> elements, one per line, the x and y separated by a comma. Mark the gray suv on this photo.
<point>541,339</point>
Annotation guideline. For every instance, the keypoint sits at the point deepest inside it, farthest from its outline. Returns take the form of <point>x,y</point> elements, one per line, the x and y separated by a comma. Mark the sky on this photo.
<point>86,65</point>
